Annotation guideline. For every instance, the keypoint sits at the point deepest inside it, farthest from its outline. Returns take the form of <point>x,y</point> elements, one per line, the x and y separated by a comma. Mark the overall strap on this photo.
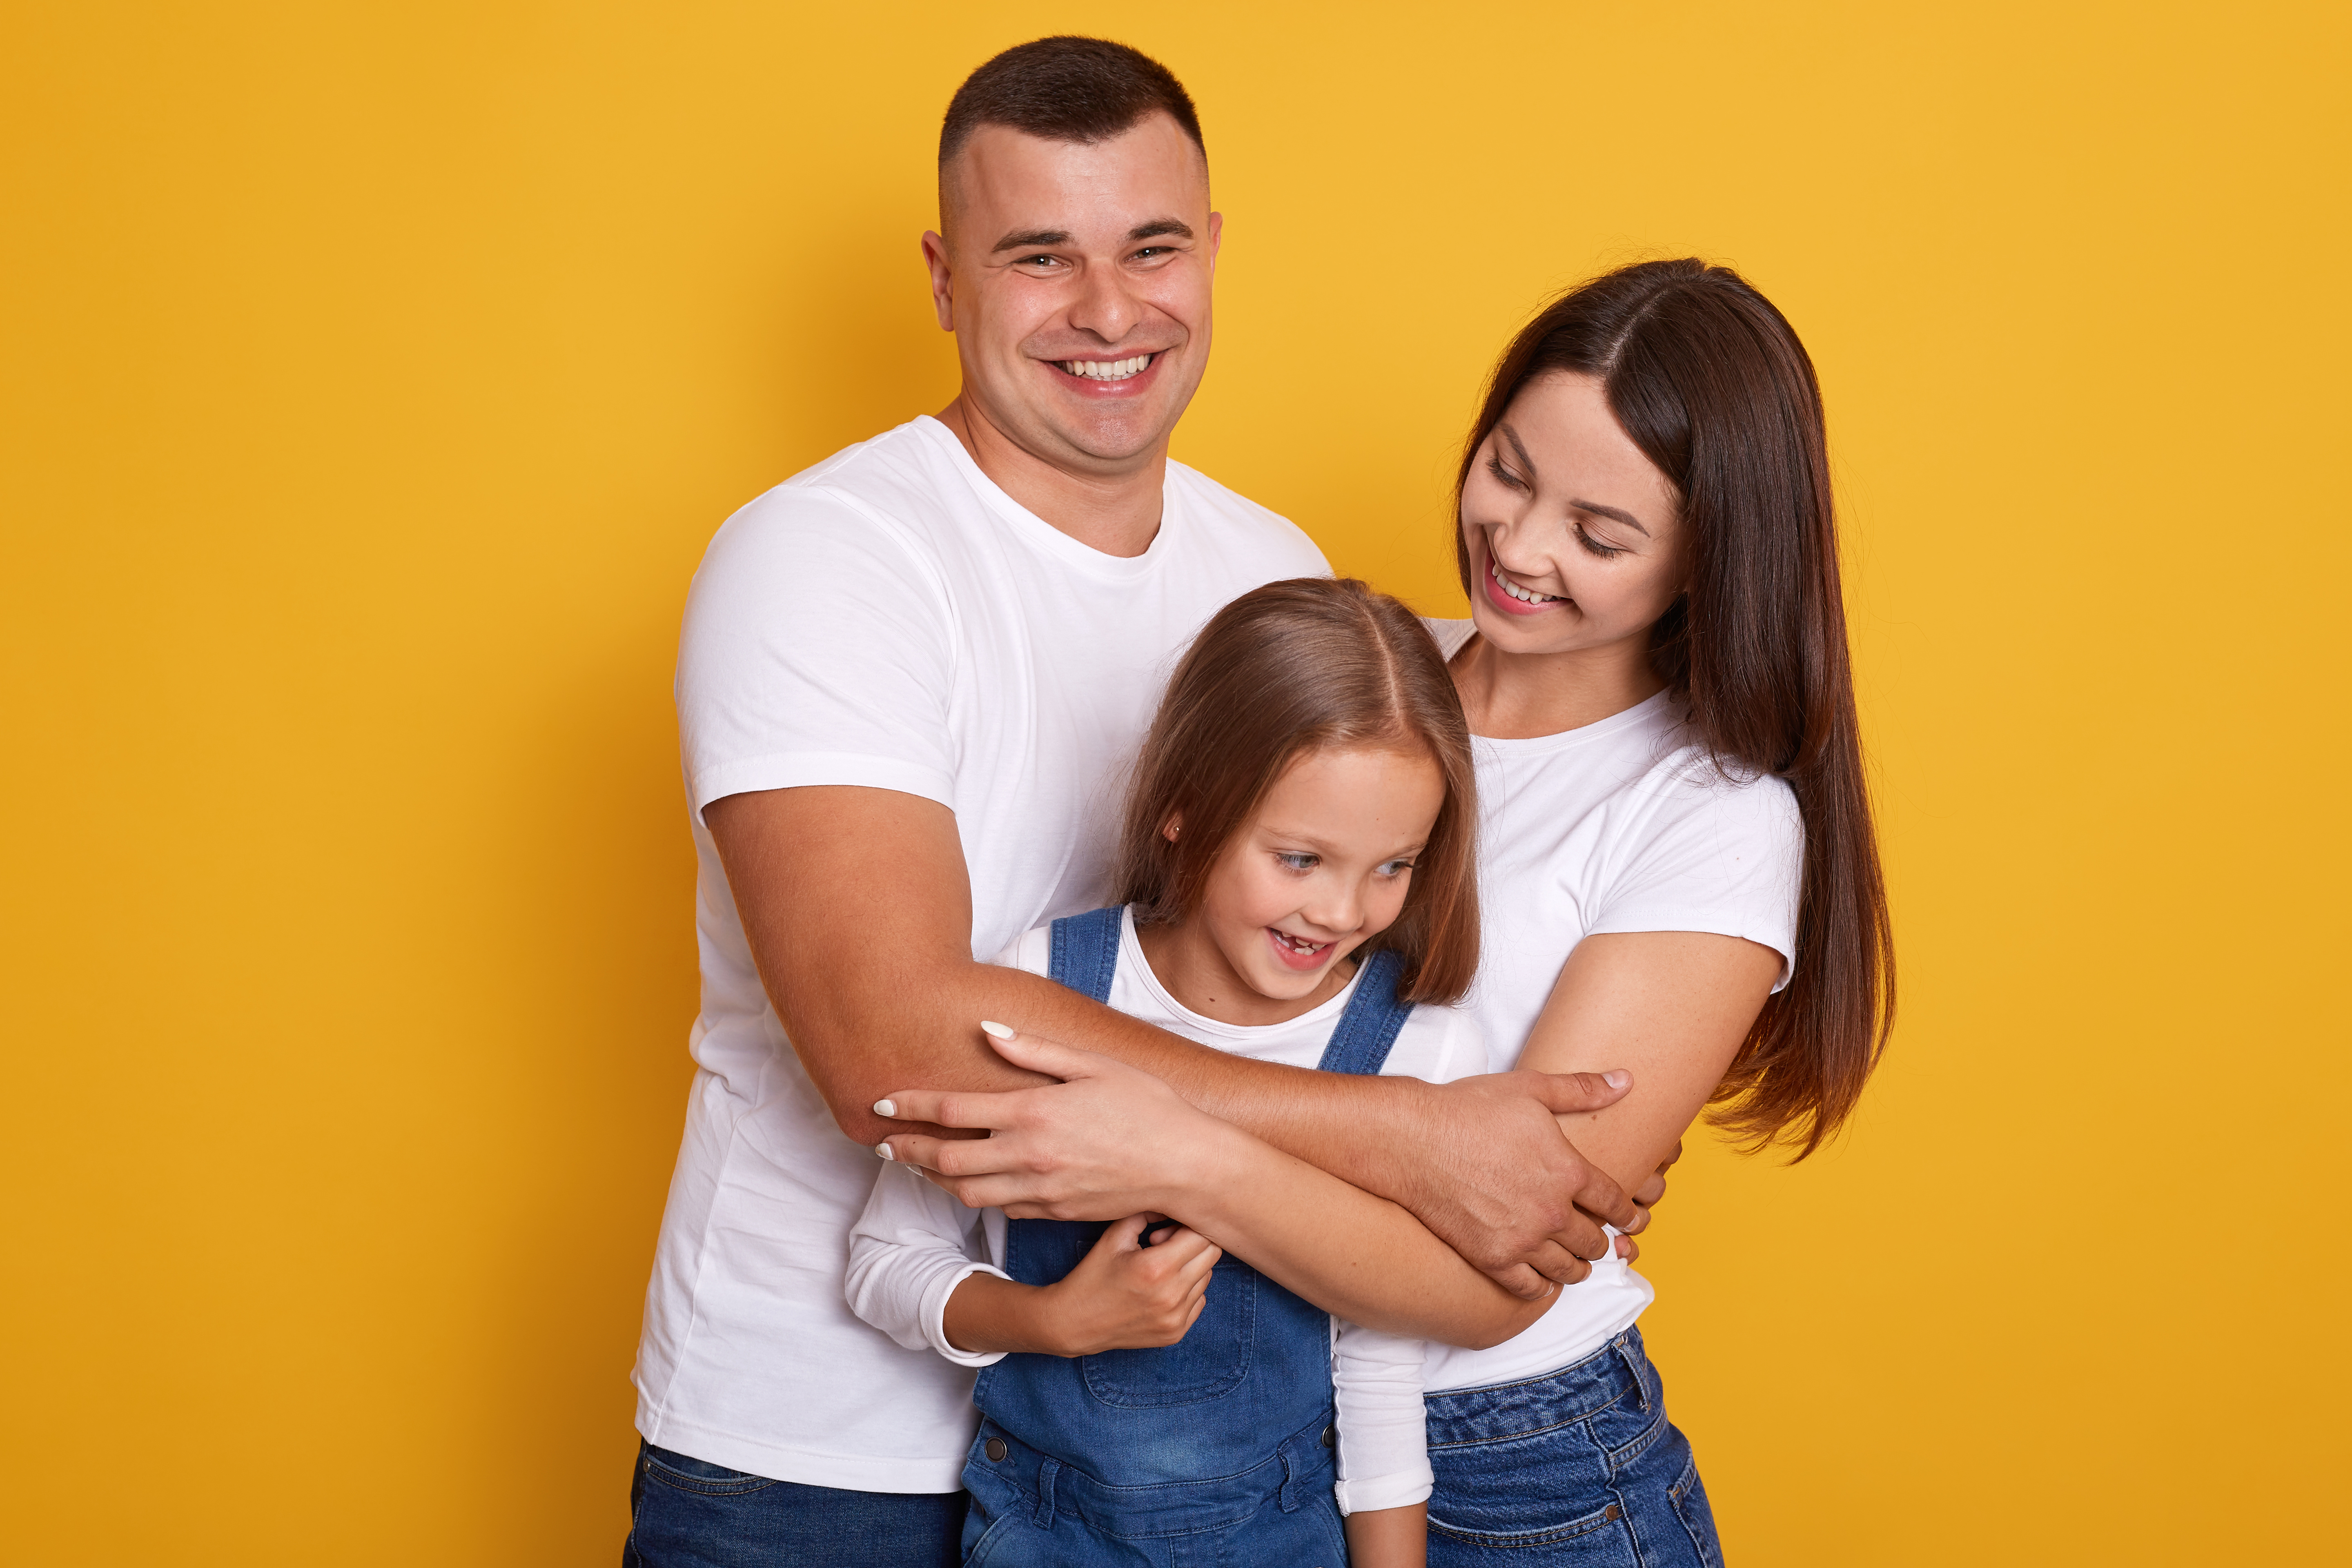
<point>1369,1026</point>
<point>1086,953</point>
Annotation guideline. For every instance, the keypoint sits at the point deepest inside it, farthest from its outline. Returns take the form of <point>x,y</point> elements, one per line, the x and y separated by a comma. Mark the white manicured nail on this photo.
<point>995,1031</point>
<point>884,1150</point>
<point>885,1108</point>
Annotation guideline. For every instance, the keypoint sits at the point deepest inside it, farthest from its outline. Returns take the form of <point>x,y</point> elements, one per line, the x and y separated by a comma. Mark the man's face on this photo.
<point>1076,279</point>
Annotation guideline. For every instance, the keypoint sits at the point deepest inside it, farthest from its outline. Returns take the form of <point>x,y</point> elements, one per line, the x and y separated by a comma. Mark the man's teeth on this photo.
<point>1298,945</point>
<point>1514,591</point>
<point>1106,369</point>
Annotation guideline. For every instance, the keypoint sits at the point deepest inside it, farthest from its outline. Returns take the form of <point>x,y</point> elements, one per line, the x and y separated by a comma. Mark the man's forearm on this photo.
<point>923,1032</point>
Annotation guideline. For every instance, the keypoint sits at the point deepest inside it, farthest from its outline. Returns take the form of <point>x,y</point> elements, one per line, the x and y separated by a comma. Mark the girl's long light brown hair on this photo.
<point>1308,665</point>
<point>1710,382</point>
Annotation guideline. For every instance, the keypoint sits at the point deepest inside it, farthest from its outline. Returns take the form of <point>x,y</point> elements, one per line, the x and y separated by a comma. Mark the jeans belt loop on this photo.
<point>1623,1346</point>
<point>1288,1494</point>
<point>1045,1474</point>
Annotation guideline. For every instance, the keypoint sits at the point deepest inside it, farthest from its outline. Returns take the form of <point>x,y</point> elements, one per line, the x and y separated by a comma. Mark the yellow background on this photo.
<point>376,373</point>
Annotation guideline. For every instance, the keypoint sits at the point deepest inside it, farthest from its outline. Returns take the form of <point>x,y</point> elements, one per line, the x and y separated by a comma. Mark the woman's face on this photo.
<point>1573,535</point>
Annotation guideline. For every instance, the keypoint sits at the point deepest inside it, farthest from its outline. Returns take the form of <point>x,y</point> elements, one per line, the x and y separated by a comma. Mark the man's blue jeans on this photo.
<point>683,1514</point>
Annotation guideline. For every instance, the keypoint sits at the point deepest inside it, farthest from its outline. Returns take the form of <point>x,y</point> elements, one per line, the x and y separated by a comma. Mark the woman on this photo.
<point>1679,877</point>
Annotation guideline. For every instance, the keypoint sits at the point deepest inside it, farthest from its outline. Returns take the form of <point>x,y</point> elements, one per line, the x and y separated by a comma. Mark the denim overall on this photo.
<point>1215,1450</point>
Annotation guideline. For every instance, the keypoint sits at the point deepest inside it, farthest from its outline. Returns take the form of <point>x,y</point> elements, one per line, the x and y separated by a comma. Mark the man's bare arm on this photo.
<point>858,911</point>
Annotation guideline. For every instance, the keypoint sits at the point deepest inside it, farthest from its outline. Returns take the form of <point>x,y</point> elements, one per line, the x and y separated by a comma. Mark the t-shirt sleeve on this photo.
<point>816,650</point>
<point>1708,854</point>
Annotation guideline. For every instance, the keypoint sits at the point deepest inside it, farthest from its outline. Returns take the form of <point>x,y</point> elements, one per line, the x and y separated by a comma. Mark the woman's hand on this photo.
<point>1108,1141</point>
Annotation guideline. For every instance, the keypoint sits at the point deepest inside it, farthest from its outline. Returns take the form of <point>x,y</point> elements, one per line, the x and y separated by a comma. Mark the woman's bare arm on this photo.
<point>1673,1006</point>
<point>1144,1149</point>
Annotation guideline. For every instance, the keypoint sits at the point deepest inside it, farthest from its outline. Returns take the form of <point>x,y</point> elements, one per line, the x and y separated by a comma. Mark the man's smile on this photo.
<point>1106,369</point>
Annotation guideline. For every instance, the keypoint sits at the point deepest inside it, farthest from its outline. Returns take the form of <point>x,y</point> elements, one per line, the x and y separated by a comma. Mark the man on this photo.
<point>908,681</point>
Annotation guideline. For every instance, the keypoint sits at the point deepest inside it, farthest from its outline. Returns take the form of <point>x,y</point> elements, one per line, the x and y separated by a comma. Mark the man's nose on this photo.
<point>1105,306</point>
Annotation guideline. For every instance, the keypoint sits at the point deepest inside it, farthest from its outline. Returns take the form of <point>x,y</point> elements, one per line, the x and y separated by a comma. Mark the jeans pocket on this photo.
<point>1688,1494</point>
<point>684,1473</point>
<point>1540,1489</point>
<point>1208,1363</point>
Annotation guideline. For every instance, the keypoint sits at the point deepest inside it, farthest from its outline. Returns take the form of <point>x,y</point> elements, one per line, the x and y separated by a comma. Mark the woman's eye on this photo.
<point>1594,546</point>
<point>1503,475</point>
<point>1296,862</point>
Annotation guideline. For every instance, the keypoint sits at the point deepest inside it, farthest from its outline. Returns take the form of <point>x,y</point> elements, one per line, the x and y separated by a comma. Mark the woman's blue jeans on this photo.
<point>685,1513</point>
<point>1580,1467</point>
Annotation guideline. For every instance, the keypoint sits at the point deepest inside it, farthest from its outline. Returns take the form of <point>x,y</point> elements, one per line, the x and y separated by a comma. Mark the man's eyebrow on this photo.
<point>1594,507</point>
<point>1032,239</point>
<point>1159,227</point>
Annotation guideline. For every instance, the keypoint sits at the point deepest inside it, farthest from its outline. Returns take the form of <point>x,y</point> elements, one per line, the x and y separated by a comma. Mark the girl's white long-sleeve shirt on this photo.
<point>915,1244</point>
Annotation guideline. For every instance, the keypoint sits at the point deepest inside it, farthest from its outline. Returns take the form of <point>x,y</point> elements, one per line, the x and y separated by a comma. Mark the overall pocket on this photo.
<point>1211,1359</point>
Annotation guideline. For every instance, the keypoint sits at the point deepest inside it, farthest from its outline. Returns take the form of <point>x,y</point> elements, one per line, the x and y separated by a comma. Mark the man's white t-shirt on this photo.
<point>1621,826</point>
<point>916,1244</point>
<point>888,618</point>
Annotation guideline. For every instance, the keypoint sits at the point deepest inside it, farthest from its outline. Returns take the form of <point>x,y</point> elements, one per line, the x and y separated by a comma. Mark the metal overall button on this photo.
<point>994,1449</point>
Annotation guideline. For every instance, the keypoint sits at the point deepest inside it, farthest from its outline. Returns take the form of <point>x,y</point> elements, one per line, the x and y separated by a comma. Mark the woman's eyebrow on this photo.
<point>1594,507</point>
<point>1627,518</point>
<point>1518,448</point>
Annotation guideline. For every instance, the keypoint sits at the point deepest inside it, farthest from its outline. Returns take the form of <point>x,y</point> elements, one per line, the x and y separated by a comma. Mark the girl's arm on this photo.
<point>911,1251</point>
<point>1355,1255</point>
<point>1383,1450</point>
<point>912,1274</point>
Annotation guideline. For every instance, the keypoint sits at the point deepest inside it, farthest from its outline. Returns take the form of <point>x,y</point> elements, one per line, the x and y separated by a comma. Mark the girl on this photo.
<point>1296,885</point>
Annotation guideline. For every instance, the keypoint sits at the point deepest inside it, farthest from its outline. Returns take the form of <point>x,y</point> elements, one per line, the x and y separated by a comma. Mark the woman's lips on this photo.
<point>1509,605</point>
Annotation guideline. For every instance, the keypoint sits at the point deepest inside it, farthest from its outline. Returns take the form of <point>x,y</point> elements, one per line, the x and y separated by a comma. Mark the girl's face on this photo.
<point>1573,538</point>
<point>1321,869</point>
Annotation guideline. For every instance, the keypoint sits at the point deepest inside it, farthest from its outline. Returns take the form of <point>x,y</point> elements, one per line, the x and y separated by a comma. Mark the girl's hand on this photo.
<point>1124,1295</point>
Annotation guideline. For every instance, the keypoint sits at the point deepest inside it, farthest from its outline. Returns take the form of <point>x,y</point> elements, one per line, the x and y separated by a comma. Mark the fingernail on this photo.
<point>1618,1079</point>
<point>884,1150</point>
<point>994,1030</point>
<point>885,1108</point>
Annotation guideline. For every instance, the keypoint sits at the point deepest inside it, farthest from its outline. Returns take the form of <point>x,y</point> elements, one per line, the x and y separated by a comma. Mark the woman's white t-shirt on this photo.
<point>915,1244</point>
<point>1621,826</point>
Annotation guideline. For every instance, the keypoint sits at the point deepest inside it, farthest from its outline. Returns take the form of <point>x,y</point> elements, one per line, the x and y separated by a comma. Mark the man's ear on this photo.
<point>1216,239</point>
<point>935,257</point>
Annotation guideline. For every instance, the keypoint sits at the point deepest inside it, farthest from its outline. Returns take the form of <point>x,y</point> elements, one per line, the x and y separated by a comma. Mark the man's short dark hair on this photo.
<point>1067,89</point>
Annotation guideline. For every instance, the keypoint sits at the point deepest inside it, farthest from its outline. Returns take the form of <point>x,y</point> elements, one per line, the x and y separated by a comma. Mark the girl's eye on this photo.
<point>1396,868</point>
<point>1290,861</point>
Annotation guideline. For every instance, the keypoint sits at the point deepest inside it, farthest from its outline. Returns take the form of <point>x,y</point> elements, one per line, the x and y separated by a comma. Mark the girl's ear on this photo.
<point>1173,826</point>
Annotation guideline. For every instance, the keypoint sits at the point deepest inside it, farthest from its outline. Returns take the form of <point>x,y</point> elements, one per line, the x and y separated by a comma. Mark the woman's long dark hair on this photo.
<point>1711,383</point>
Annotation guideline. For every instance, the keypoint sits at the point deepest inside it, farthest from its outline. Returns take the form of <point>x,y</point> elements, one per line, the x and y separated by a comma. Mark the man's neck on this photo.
<point>1116,513</point>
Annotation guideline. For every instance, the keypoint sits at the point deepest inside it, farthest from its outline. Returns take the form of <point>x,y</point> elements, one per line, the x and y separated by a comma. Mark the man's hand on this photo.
<point>1489,1172</point>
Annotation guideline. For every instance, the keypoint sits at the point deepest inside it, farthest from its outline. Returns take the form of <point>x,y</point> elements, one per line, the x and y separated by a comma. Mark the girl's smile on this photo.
<point>1320,868</point>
